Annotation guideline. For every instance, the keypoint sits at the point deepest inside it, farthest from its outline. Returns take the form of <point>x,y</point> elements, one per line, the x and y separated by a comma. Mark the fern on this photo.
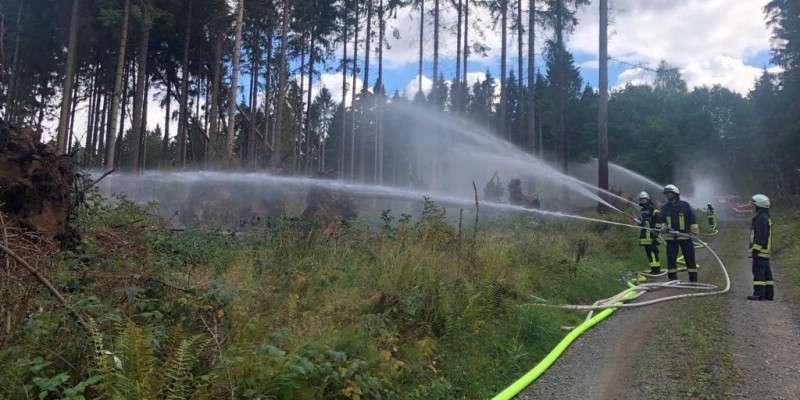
<point>177,370</point>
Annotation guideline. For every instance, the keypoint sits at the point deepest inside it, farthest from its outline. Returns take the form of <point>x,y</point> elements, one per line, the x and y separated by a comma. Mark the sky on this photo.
<point>723,42</point>
<point>711,41</point>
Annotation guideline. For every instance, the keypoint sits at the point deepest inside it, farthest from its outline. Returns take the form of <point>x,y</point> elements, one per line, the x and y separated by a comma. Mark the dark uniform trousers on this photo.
<point>687,249</point>
<point>763,286</point>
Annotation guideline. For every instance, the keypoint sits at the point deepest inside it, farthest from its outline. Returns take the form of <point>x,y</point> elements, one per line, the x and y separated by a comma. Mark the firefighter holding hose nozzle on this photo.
<point>680,229</point>
<point>650,218</point>
<point>712,219</point>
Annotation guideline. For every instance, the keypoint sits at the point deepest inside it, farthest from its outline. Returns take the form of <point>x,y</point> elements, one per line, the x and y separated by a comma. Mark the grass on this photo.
<point>787,243</point>
<point>410,309</point>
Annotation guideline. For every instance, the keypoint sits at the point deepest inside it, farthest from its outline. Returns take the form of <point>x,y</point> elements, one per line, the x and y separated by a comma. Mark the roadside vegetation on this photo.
<point>409,307</point>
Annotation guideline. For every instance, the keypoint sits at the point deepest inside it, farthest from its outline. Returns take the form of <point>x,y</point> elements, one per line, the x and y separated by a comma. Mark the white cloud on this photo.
<point>634,76</point>
<point>333,82</point>
<point>709,40</point>
<point>413,87</point>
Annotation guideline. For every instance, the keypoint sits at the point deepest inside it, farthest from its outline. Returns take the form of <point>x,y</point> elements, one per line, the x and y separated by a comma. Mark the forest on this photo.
<point>233,78</point>
<point>313,235</point>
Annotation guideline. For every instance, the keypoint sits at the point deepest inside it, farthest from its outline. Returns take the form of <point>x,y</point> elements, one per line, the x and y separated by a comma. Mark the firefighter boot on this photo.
<point>693,277</point>
<point>769,292</point>
<point>655,270</point>
<point>758,293</point>
<point>672,276</point>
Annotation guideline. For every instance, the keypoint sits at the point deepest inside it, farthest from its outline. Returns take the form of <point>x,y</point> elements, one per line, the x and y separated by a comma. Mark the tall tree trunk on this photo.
<point>353,98</point>
<point>12,85</point>
<point>343,136</point>
<point>379,101</point>
<point>561,95</point>
<point>75,88</point>
<point>466,51</point>
<point>362,168</point>
<point>276,160</point>
<point>167,120</point>
<point>91,94</point>
<point>120,134</point>
<point>299,114</point>
<point>367,43</point>
<point>503,59</point>
<point>91,150</point>
<point>237,54</point>
<point>115,103</point>
<point>68,76</point>
<point>267,87</point>
<point>421,38</point>
<point>308,103</point>
<point>183,112</point>
<point>519,124</point>
<point>251,126</point>
<point>602,123</point>
<point>434,92</point>
<point>139,95</point>
<point>143,130</point>
<point>457,83</point>
<point>213,130</point>
<point>531,103</point>
<point>103,135</point>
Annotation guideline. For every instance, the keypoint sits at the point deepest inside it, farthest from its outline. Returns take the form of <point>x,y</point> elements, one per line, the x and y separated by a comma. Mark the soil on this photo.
<point>35,183</point>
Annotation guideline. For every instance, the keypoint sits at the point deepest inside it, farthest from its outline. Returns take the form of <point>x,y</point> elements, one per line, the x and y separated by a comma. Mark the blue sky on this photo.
<point>731,51</point>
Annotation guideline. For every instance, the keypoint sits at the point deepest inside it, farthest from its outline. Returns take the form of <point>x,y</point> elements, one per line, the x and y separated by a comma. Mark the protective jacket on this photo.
<point>650,218</point>
<point>679,217</point>
<point>761,234</point>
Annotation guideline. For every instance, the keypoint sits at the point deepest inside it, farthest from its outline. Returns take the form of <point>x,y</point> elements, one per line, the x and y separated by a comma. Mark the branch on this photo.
<point>101,178</point>
<point>46,283</point>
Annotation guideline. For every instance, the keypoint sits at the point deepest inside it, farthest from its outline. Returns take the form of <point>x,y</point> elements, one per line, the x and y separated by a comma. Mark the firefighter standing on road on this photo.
<point>650,218</point>
<point>712,220</point>
<point>761,248</point>
<point>679,218</point>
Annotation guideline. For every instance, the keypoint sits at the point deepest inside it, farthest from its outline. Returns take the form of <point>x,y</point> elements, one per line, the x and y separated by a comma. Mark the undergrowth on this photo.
<point>414,308</point>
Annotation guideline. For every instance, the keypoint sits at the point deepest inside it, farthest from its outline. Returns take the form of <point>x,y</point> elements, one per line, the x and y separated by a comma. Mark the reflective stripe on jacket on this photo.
<point>679,217</point>
<point>761,234</point>
<point>650,218</point>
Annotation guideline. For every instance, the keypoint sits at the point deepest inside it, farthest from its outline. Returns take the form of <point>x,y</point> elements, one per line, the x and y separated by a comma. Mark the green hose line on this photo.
<point>540,368</point>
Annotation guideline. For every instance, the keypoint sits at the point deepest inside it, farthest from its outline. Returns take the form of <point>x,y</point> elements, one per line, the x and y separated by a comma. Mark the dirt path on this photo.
<point>693,348</point>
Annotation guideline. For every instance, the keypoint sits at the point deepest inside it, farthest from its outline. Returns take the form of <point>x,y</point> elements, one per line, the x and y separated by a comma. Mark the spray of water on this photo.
<point>466,146</point>
<point>149,185</point>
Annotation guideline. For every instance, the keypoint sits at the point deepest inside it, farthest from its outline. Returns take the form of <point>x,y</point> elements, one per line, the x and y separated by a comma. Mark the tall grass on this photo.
<point>412,309</point>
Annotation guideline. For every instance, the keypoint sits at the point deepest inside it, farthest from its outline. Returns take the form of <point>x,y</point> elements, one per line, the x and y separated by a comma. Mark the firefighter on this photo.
<point>648,238</point>
<point>760,249</point>
<point>712,220</point>
<point>680,225</point>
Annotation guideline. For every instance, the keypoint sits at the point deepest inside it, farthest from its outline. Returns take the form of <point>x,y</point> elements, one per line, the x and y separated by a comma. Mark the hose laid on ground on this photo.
<point>610,305</point>
<point>540,368</point>
<point>677,284</point>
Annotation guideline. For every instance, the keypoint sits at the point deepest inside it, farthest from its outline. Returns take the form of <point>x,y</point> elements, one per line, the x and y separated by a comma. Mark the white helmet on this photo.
<point>760,201</point>
<point>644,195</point>
<point>671,189</point>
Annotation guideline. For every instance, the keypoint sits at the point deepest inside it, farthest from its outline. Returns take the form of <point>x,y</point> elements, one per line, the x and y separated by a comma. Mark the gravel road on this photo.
<point>715,347</point>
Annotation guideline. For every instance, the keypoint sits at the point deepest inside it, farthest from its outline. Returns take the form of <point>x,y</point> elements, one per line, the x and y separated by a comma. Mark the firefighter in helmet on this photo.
<point>681,227</point>
<point>712,220</point>
<point>648,238</point>
<point>761,249</point>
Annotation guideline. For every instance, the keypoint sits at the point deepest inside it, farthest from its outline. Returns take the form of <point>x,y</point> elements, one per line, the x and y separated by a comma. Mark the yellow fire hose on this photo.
<point>608,306</point>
